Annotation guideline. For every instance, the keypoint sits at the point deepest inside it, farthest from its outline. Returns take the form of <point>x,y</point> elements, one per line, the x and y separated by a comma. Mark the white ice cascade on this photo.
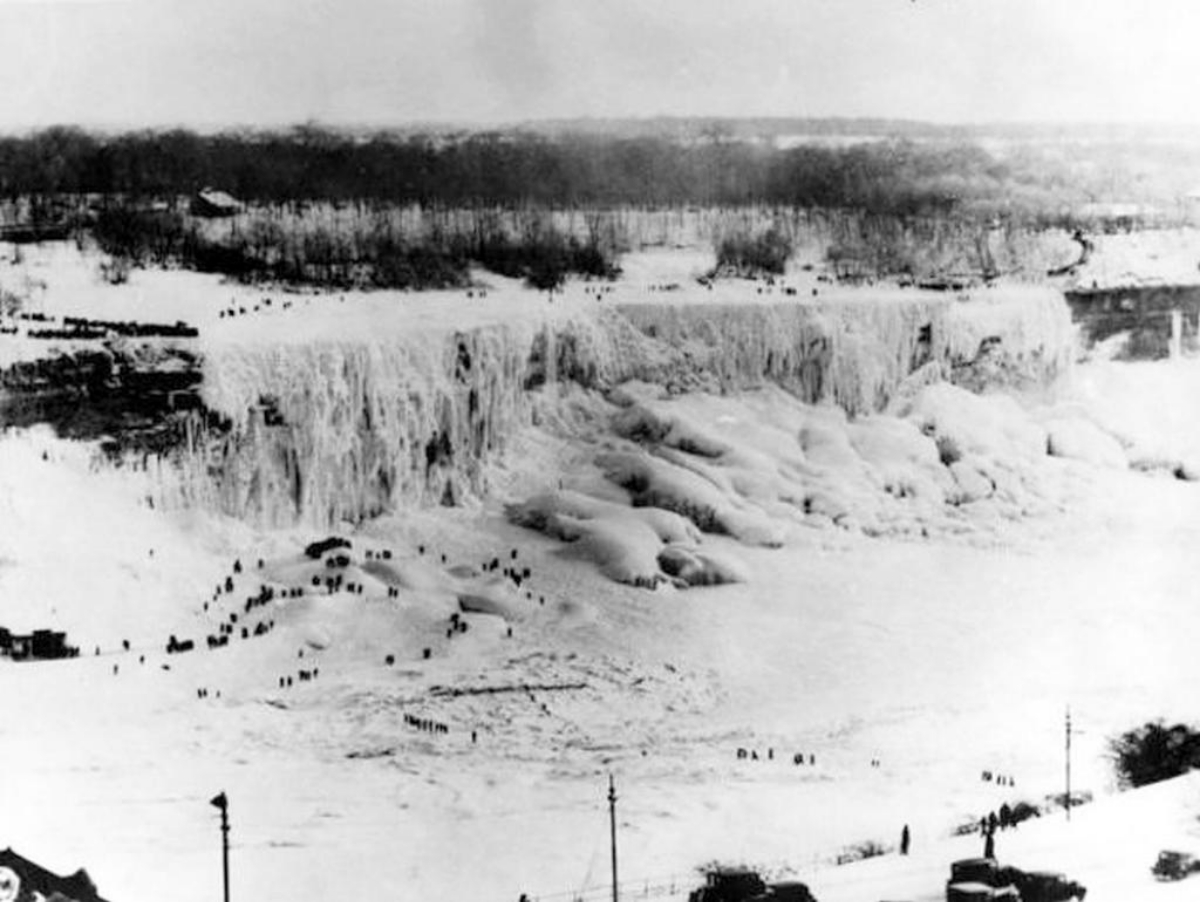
<point>324,431</point>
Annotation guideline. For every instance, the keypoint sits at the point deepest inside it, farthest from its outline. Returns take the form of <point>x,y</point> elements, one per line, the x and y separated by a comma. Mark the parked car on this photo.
<point>984,880</point>
<point>745,885</point>
<point>1174,865</point>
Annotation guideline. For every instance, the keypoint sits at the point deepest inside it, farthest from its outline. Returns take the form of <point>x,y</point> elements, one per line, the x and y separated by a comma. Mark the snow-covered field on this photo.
<point>937,656</point>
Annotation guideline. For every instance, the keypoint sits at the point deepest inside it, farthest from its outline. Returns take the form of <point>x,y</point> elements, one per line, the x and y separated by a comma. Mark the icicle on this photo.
<point>324,431</point>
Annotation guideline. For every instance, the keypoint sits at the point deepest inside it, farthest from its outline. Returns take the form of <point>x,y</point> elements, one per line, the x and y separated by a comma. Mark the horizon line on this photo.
<point>451,124</point>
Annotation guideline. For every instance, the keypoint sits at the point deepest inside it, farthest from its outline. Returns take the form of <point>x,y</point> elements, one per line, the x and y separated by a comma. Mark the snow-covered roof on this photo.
<point>217,201</point>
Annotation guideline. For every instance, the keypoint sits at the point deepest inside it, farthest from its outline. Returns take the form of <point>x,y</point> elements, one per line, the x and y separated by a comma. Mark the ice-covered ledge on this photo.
<point>358,406</point>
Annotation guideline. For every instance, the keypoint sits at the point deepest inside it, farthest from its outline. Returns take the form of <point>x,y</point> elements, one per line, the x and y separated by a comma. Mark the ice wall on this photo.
<point>321,431</point>
<point>856,349</point>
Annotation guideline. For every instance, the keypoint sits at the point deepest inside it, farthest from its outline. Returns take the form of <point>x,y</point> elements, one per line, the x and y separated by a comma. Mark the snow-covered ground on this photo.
<point>936,657</point>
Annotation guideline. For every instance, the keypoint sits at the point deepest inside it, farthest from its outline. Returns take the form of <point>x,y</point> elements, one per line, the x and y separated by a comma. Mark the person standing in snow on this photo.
<point>904,840</point>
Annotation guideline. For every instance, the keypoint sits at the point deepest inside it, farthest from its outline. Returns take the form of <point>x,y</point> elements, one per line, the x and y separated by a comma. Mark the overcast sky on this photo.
<point>221,62</point>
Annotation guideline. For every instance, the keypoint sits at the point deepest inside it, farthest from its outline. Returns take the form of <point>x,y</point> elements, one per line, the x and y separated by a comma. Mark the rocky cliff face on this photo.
<point>137,397</point>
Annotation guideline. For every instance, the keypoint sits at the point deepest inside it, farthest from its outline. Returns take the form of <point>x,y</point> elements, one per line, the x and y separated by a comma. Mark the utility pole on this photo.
<point>1067,800</point>
<point>612,827</point>
<point>223,804</point>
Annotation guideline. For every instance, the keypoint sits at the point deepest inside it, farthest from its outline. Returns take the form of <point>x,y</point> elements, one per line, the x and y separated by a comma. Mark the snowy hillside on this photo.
<point>657,557</point>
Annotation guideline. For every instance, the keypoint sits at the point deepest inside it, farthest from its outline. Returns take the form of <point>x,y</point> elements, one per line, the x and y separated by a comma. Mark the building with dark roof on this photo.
<point>34,879</point>
<point>212,204</point>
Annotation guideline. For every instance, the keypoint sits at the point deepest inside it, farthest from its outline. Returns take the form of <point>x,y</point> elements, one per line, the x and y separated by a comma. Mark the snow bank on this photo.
<point>867,651</point>
<point>1081,439</point>
<point>79,543</point>
<point>1149,407</point>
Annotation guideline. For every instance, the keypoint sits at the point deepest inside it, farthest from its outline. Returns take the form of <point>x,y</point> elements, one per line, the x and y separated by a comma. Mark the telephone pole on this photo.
<point>1067,800</point>
<point>223,804</point>
<point>612,828</point>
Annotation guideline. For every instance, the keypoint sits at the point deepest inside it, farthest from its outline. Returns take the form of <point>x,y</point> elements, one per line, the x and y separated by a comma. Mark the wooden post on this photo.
<point>612,825</point>
<point>1176,348</point>
<point>223,804</point>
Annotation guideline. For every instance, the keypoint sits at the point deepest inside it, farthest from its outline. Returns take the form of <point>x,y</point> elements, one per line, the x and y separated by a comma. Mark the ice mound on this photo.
<point>489,595</point>
<point>636,545</point>
<point>412,577</point>
<point>990,445</point>
<point>965,423</point>
<point>971,481</point>
<point>626,550</point>
<point>661,483</point>
<point>902,456</point>
<point>376,600</point>
<point>1081,439</point>
<point>701,568</point>
<point>756,466</point>
<point>555,512</point>
<point>370,602</point>
<point>761,466</point>
<point>711,466</point>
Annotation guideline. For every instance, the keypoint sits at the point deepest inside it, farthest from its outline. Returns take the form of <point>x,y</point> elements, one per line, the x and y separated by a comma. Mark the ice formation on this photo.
<point>630,544</point>
<point>343,424</point>
<point>760,465</point>
<point>1081,439</point>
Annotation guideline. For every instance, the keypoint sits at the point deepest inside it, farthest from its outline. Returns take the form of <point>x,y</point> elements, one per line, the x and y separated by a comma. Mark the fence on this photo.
<point>663,889</point>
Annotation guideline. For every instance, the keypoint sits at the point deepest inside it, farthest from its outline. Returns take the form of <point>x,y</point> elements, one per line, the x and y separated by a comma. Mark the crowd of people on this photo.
<point>241,618</point>
<point>236,309</point>
<point>798,758</point>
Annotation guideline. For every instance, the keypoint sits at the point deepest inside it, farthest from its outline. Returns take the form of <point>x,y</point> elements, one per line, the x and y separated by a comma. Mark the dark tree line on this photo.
<point>514,168</point>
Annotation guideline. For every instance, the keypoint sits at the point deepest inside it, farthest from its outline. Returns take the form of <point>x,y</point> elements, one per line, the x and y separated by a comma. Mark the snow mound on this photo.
<point>1081,439</point>
<point>758,466</point>
<point>625,549</point>
<point>490,595</point>
<point>971,480</point>
<point>902,456</point>
<point>657,482</point>
<point>701,568</point>
<point>636,545</point>
<point>990,425</point>
<point>554,512</point>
